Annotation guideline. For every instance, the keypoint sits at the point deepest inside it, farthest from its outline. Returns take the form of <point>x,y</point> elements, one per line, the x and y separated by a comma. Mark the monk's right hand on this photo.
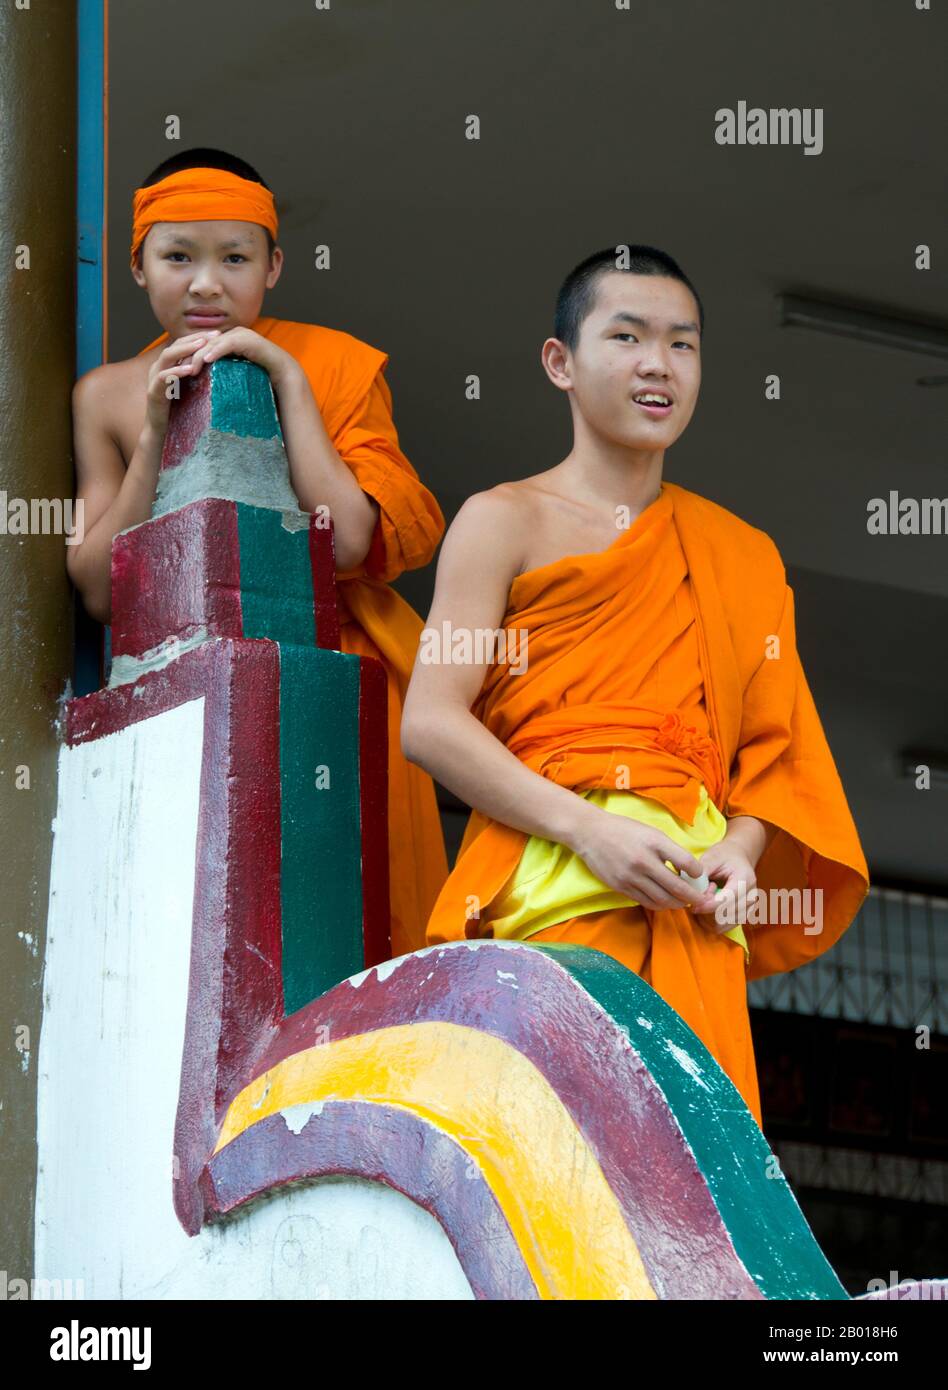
<point>175,360</point>
<point>633,859</point>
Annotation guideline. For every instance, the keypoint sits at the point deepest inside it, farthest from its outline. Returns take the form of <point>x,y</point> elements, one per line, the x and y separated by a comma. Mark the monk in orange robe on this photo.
<point>204,247</point>
<point>643,719</point>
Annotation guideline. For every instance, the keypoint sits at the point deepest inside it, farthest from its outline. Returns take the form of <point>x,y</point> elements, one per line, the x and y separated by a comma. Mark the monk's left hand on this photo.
<point>726,863</point>
<point>244,342</point>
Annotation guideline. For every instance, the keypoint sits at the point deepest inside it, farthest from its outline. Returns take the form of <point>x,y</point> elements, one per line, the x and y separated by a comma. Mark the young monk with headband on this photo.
<point>653,752</point>
<point>204,248</point>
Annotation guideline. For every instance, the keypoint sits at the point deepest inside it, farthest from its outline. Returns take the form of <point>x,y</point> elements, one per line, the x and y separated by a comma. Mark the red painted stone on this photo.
<point>190,417</point>
<point>565,1033</point>
<point>236,987</point>
<point>373,810</point>
<point>187,563</point>
<point>322,554</point>
<point>381,1143</point>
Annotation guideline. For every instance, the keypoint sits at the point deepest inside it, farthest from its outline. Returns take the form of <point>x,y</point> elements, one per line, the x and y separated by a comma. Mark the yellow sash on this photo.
<point>552,884</point>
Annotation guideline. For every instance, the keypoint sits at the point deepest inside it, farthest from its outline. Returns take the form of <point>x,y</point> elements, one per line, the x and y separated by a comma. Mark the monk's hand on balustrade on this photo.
<point>640,862</point>
<point>174,360</point>
<point>732,872</point>
<point>279,364</point>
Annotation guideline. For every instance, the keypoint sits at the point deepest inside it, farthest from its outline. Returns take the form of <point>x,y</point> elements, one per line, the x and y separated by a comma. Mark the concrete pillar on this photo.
<point>37,354</point>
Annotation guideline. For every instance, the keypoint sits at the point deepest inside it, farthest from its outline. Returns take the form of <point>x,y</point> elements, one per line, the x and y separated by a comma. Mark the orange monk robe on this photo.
<point>569,718</point>
<point>346,379</point>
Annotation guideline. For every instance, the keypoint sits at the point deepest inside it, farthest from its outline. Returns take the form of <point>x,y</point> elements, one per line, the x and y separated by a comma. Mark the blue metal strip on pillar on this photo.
<point>91,21</point>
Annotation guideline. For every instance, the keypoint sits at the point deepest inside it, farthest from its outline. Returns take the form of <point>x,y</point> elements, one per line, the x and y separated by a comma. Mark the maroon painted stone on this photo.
<point>322,554</point>
<point>189,418</point>
<point>381,1143</point>
<point>187,563</point>
<point>373,810</point>
<point>567,1035</point>
<point>236,988</point>
<point>235,1001</point>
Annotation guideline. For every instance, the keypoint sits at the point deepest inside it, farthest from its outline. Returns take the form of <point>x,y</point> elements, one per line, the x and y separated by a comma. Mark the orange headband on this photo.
<point>201,195</point>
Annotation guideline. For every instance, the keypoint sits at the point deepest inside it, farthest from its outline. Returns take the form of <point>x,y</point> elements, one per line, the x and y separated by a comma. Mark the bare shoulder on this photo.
<point>111,377</point>
<point>109,405</point>
<point>490,524</point>
<point>479,557</point>
<point>106,387</point>
<point>541,499</point>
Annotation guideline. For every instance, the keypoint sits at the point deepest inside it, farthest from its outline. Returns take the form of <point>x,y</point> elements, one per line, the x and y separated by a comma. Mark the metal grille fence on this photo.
<point>889,968</point>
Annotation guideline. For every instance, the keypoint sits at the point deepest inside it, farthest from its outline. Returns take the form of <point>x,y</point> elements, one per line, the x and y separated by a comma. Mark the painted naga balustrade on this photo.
<point>241,1095</point>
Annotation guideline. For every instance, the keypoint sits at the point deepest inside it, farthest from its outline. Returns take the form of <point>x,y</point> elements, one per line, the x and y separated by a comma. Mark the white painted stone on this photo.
<point>116,978</point>
<point>386,967</point>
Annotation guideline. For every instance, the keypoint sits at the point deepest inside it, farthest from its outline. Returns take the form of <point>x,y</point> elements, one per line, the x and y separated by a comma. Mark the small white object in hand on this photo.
<point>701,883</point>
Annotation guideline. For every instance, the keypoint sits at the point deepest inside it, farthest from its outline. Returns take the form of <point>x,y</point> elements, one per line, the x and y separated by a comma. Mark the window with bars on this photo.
<point>889,968</point>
